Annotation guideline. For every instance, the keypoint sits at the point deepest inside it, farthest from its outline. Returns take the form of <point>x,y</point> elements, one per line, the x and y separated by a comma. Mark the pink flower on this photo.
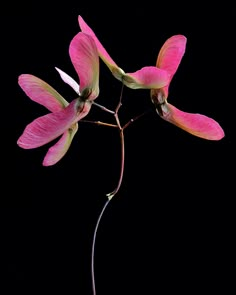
<point>147,78</point>
<point>62,121</point>
<point>199,125</point>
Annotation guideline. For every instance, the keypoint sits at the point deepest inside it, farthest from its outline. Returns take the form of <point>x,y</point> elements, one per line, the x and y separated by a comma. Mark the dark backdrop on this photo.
<point>169,229</point>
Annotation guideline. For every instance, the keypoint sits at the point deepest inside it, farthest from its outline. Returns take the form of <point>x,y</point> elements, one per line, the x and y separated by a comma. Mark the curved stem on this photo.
<point>111,194</point>
<point>93,246</point>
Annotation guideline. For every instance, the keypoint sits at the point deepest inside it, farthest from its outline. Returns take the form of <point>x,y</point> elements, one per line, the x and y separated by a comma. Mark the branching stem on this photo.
<point>115,191</point>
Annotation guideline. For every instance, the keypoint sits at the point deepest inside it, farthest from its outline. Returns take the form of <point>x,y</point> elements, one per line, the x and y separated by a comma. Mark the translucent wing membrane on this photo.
<point>48,127</point>
<point>84,56</point>
<point>170,56</point>
<point>41,92</point>
<point>147,77</point>
<point>102,51</point>
<point>56,152</point>
<point>196,124</point>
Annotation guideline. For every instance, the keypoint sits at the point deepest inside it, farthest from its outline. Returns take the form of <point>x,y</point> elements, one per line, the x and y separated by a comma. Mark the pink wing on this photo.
<point>101,50</point>
<point>84,56</point>
<point>170,56</point>
<point>144,78</point>
<point>41,92</point>
<point>196,124</point>
<point>147,78</point>
<point>48,127</point>
<point>56,152</point>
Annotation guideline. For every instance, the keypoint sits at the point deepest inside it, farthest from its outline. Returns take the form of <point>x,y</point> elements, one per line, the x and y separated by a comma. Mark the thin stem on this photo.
<point>134,119</point>
<point>120,100</point>
<point>93,246</point>
<point>112,194</point>
<point>99,123</point>
<point>103,108</point>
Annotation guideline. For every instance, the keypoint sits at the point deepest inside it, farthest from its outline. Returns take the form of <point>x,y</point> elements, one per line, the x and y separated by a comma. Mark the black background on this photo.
<point>170,227</point>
